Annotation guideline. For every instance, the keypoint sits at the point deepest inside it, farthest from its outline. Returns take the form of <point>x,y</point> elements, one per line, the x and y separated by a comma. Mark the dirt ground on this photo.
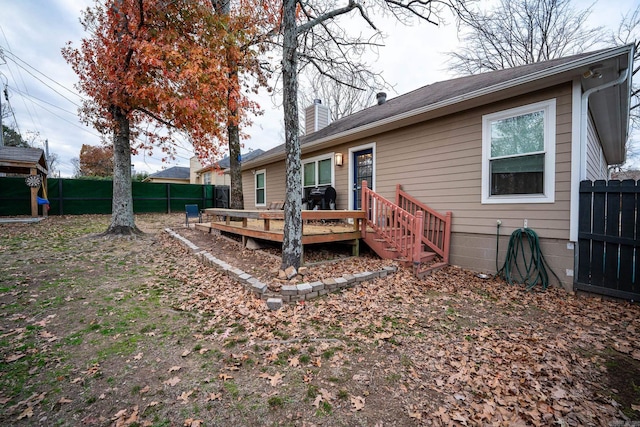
<point>137,332</point>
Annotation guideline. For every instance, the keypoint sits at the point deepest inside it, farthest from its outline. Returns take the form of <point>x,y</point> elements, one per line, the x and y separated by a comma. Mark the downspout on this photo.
<point>584,111</point>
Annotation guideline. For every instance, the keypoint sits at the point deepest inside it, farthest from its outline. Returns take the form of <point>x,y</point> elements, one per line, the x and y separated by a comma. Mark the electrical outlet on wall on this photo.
<point>525,223</point>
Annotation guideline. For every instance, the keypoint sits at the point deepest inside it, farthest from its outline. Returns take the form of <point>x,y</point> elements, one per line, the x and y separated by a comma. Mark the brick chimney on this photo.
<point>316,117</point>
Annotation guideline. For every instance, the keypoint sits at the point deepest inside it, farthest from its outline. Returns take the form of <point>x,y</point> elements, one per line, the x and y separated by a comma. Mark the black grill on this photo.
<point>322,198</point>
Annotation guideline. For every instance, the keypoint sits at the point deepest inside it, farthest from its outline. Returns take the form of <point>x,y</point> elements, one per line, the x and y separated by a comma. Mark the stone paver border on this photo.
<point>288,293</point>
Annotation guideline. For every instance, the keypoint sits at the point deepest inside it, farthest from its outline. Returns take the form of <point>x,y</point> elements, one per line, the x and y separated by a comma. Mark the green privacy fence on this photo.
<point>79,196</point>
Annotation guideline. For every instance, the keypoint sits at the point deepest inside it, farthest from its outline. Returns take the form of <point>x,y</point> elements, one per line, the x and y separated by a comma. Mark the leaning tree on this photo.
<point>312,36</point>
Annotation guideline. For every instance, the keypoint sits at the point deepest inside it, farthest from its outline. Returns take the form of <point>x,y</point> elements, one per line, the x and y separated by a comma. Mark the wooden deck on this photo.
<point>318,226</point>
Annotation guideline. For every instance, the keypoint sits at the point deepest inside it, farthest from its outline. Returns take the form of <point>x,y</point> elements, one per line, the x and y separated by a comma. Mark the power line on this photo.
<point>46,102</point>
<point>41,81</point>
<point>21,79</point>
<point>5,94</point>
<point>63,119</point>
<point>41,73</point>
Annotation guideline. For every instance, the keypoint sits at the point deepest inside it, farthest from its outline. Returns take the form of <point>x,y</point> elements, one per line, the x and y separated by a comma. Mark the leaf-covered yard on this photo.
<point>138,332</point>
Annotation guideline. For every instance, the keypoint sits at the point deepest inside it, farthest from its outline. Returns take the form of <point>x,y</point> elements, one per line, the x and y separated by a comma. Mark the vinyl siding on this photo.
<point>596,164</point>
<point>439,163</point>
<point>274,180</point>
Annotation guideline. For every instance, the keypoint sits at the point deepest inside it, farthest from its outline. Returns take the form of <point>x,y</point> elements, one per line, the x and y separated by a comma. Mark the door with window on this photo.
<point>362,162</point>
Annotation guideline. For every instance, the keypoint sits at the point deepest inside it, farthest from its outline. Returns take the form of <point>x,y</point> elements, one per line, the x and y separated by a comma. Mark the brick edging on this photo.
<point>288,293</point>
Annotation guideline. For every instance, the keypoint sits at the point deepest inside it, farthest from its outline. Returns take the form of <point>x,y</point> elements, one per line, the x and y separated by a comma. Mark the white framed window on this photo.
<point>261,187</point>
<point>519,154</point>
<point>207,178</point>
<point>318,171</point>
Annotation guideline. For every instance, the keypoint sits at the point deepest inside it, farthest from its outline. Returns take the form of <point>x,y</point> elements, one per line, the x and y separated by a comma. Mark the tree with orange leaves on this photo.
<point>153,69</point>
<point>242,18</point>
<point>95,161</point>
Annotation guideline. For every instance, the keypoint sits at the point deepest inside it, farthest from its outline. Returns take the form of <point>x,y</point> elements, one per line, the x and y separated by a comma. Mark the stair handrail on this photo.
<point>437,226</point>
<point>398,227</point>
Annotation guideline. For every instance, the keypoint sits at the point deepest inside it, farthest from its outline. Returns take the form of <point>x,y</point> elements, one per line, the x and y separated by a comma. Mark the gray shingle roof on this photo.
<point>21,154</point>
<point>175,172</point>
<point>225,163</point>
<point>21,160</point>
<point>433,94</point>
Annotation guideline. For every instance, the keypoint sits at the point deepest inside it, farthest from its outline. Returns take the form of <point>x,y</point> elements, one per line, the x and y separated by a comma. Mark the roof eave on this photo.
<point>403,119</point>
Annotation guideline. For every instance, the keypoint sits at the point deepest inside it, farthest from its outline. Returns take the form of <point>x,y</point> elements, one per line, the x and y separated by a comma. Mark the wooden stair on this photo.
<point>386,250</point>
<point>406,231</point>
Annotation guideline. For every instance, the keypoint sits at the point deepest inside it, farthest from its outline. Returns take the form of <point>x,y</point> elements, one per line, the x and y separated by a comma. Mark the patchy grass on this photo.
<point>97,331</point>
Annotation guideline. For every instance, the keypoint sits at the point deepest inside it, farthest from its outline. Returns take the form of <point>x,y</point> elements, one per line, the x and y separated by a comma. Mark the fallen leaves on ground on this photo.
<point>451,349</point>
<point>274,380</point>
<point>357,403</point>
<point>172,381</point>
<point>490,351</point>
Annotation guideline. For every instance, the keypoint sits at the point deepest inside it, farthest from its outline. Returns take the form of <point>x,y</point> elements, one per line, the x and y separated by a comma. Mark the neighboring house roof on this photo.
<point>225,162</point>
<point>630,174</point>
<point>451,96</point>
<point>175,172</point>
<point>21,159</point>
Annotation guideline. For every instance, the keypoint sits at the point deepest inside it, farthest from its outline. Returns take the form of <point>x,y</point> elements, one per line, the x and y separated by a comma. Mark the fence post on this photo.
<point>418,226</point>
<point>60,198</point>
<point>447,237</point>
<point>168,198</point>
<point>364,207</point>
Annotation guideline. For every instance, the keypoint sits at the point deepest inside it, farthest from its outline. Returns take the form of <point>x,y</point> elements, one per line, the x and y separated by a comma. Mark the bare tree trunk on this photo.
<point>237,198</point>
<point>236,201</point>
<point>292,239</point>
<point>122,219</point>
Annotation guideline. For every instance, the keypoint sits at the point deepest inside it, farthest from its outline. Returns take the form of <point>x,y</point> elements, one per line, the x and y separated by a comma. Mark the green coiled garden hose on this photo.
<point>532,269</point>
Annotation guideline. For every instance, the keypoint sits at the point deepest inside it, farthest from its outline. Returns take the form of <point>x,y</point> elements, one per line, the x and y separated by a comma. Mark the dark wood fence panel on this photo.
<point>609,239</point>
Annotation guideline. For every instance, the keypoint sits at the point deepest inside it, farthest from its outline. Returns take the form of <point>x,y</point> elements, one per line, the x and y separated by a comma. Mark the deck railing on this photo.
<point>399,228</point>
<point>436,233</point>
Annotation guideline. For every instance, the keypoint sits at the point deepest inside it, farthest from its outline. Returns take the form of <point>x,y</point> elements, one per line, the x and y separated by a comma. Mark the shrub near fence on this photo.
<point>79,196</point>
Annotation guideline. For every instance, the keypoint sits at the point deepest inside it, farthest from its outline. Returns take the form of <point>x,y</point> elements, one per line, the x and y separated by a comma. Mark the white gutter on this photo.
<point>460,98</point>
<point>582,165</point>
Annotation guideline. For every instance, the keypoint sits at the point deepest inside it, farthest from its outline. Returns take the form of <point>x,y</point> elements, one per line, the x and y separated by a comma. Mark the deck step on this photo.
<point>427,256</point>
<point>422,273</point>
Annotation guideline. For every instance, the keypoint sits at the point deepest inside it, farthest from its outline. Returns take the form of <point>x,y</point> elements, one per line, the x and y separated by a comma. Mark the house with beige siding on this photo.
<point>217,172</point>
<point>507,147</point>
<point>172,175</point>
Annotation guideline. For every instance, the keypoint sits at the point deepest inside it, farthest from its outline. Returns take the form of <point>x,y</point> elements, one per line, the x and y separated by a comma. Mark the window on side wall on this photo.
<point>518,154</point>
<point>260,181</point>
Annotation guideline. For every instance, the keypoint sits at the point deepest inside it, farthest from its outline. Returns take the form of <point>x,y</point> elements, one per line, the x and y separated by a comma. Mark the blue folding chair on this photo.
<point>192,211</point>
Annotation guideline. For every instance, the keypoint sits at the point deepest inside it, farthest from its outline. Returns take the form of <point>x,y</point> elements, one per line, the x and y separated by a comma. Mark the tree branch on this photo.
<point>303,28</point>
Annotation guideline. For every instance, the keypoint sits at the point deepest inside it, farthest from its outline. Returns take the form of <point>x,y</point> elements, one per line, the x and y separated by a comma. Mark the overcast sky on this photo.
<point>43,99</point>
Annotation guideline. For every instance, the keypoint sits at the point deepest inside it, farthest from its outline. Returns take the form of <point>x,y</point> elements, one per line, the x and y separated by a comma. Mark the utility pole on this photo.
<point>1,128</point>
<point>2,62</point>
